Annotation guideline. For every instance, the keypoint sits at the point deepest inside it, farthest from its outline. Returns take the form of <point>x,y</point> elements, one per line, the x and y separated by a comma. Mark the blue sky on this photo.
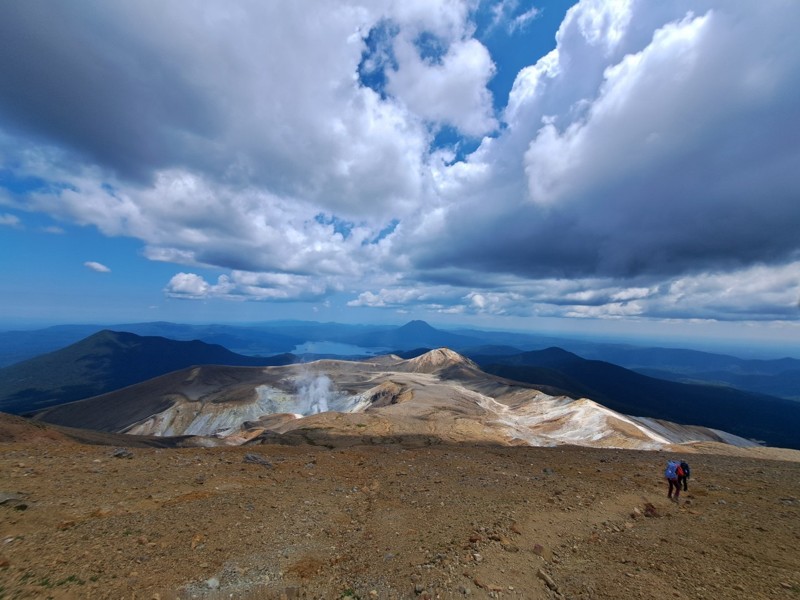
<point>594,167</point>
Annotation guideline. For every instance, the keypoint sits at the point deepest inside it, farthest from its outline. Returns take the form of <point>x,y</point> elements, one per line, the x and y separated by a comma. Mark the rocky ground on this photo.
<point>391,521</point>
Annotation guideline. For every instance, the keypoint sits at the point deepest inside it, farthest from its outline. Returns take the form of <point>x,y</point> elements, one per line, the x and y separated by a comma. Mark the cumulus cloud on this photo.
<point>96,267</point>
<point>401,296</point>
<point>241,285</point>
<point>451,91</point>
<point>651,141</point>
<point>643,168</point>
<point>759,292</point>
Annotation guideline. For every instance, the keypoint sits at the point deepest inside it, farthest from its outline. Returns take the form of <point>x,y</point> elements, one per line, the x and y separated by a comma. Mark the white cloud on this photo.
<point>188,285</point>
<point>639,118</point>
<point>253,93</point>
<point>757,293</point>
<point>494,303</point>
<point>657,155</point>
<point>452,92</point>
<point>402,296</point>
<point>446,19</point>
<point>10,220</point>
<point>762,292</point>
<point>96,267</point>
<point>506,13</point>
<point>601,22</point>
<point>643,168</point>
<point>277,287</point>
<point>523,20</point>
<point>191,220</point>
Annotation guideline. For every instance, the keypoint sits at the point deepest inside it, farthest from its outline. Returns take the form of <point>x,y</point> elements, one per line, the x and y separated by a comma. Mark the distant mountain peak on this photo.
<point>417,326</point>
<point>105,361</point>
<point>437,359</point>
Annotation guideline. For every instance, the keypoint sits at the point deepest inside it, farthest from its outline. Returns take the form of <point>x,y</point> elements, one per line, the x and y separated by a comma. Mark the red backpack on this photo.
<point>673,470</point>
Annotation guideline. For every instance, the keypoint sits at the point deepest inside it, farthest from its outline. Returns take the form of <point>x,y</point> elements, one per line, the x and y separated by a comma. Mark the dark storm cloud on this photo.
<point>76,74</point>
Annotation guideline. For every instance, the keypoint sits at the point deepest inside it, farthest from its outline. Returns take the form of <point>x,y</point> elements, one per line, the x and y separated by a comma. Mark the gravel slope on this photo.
<point>404,520</point>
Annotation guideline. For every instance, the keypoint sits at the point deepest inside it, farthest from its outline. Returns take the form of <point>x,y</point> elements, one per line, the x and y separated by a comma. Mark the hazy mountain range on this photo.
<point>780,377</point>
<point>107,361</point>
<point>436,397</point>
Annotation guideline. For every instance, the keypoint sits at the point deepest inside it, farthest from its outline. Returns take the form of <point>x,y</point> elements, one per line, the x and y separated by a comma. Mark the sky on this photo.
<point>618,166</point>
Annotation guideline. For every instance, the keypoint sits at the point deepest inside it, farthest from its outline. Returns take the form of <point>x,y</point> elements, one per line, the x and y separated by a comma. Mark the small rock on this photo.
<point>122,453</point>
<point>213,583</point>
<point>548,581</point>
<point>10,499</point>
<point>509,547</point>
<point>373,593</point>
<point>538,549</point>
<point>738,587</point>
<point>257,459</point>
<point>650,511</point>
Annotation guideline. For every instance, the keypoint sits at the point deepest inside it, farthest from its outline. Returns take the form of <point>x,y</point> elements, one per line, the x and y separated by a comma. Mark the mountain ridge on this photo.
<point>776,377</point>
<point>755,416</point>
<point>105,361</point>
<point>440,394</point>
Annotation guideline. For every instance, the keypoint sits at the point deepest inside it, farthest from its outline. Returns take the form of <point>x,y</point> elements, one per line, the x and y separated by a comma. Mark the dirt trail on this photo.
<point>392,522</point>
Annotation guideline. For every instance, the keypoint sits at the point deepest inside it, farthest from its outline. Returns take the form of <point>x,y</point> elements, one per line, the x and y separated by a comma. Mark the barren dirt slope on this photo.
<point>391,521</point>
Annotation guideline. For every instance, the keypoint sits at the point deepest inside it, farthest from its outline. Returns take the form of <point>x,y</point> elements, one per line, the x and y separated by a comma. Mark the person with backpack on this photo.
<point>683,478</point>
<point>673,473</point>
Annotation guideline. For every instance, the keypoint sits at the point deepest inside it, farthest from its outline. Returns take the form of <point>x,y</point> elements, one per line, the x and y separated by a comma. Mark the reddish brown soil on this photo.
<point>391,522</point>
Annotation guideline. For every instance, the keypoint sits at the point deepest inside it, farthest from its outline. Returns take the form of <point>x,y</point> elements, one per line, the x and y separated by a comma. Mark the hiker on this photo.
<point>683,478</point>
<point>673,473</point>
